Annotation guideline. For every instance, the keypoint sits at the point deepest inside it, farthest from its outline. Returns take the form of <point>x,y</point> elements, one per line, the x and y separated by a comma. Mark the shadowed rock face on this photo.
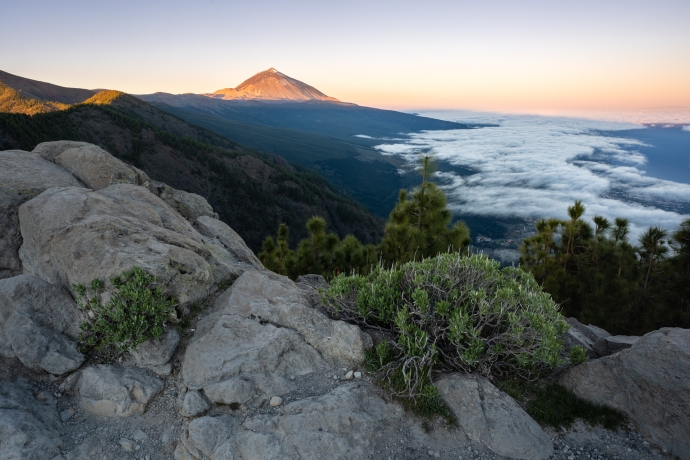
<point>650,381</point>
<point>39,324</point>
<point>493,418</point>
<point>23,175</point>
<point>26,426</point>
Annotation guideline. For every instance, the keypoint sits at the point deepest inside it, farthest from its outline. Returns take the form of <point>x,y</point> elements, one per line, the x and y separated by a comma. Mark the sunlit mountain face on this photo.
<point>530,166</point>
<point>273,86</point>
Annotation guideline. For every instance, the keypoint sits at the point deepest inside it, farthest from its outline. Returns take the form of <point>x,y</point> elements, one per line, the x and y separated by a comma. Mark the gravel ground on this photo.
<point>154,434</point>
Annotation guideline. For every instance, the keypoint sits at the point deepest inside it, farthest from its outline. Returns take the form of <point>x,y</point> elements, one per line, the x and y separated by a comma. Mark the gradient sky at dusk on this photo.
<point>493,55</point>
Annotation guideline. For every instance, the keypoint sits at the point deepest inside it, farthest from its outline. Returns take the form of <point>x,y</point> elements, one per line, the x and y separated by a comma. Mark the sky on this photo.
<point>492,55</point>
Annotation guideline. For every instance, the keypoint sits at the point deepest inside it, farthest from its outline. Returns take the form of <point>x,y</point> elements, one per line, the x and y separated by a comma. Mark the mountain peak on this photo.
<point>272,85</point>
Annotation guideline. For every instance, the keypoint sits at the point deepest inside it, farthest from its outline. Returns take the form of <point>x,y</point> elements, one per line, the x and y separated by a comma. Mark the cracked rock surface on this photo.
<point>492,418</point>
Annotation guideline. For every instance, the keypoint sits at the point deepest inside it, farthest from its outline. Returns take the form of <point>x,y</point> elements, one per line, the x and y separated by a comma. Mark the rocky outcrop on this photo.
<point>263,332</point>
<point>338,425</point>
<point>23,175</point>
<point>579,335</point>
<point>606,346</point>
<point>51,150</point>
<point>96,168</point>
<point>228,239</point>
<point>73,235</point>
<point>155,352</point>
<point>192,404</point>
<point>190,205</point>
<point>650,381</point>
<point>99,169</point>
<point>492,418</point>
<point>596,341</point>
<point>39,324</point>
<point>110,391</point>
<point>26,426</point>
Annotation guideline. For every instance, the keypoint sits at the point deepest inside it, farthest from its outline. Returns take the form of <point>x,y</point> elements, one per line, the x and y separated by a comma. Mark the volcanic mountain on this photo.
<point>273,86</point>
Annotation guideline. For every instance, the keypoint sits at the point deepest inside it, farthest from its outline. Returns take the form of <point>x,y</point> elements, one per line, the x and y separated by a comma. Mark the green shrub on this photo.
<point>136,311</point>
<point>578,355</point>
<point>452,313</point>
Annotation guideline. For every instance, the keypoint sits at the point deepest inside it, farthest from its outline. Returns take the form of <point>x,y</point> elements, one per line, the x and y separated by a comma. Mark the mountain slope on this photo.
<point>318,134</point>
<point>252,192</point>
<point>33,89</point>
<point>272,85</point>
<point>12,101</point>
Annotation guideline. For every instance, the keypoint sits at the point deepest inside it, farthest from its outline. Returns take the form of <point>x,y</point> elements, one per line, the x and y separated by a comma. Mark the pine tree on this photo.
<point>419,226</point>
<point>278,257</point>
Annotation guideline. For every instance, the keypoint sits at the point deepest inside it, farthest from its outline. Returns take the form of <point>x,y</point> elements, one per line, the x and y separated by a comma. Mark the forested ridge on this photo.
<point>251,191</point>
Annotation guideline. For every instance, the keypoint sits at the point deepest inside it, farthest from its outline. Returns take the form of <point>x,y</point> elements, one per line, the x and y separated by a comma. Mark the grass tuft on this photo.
<point>427,405</point>
<point>553,404</point>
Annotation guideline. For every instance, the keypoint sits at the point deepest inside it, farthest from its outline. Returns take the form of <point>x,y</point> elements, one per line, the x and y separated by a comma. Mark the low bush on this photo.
<point>578,355</point>
<point>135,311</point>
<point>451,313</point>
<point>552,404</point>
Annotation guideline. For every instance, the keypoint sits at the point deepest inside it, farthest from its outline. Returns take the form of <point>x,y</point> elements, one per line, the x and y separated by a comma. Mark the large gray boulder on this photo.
<point>190,205</point>
<point>114,391</point>
<point>96,168</point>
<point>23,175</point>
<point>605,346</point>
<point>341,424</point>
<point>650,381</point>
<point>192,404</point>
<point>263,332</point>
<point>492,418</point>
<point>39,324</point>
<point>73,235</point>
<point>579,335</point>
<point>51,150</point>
<point>26,426</point>
<point>99,169</point>
<point>226,237</point>
<point>155,352</point>
<point>278,301</point>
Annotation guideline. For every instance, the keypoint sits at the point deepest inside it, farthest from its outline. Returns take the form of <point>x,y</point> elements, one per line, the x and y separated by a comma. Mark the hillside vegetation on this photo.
<point>251,191</point>
<point>601,277</point>
<point>12,101</point>
<point>420,226</point>
<point>317,134</point>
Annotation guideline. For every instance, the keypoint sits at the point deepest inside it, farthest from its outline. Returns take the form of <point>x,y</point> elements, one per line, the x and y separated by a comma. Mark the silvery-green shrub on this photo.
<point>135,311</point>
<point>453,313</point>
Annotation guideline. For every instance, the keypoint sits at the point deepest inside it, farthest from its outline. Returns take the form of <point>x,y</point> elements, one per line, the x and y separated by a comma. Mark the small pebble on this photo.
<point>126,444</point>
<point>67,414</point>
<point>348,376</point>
<point>358,375</point>
<point>275,401</point>
<point>139,436</point>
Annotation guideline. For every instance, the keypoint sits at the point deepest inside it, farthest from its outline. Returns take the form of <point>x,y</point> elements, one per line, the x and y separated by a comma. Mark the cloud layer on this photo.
<point>536,166</point>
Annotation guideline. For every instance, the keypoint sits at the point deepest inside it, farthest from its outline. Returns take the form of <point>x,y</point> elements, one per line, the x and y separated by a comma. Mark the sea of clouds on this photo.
<point>530,165</point>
